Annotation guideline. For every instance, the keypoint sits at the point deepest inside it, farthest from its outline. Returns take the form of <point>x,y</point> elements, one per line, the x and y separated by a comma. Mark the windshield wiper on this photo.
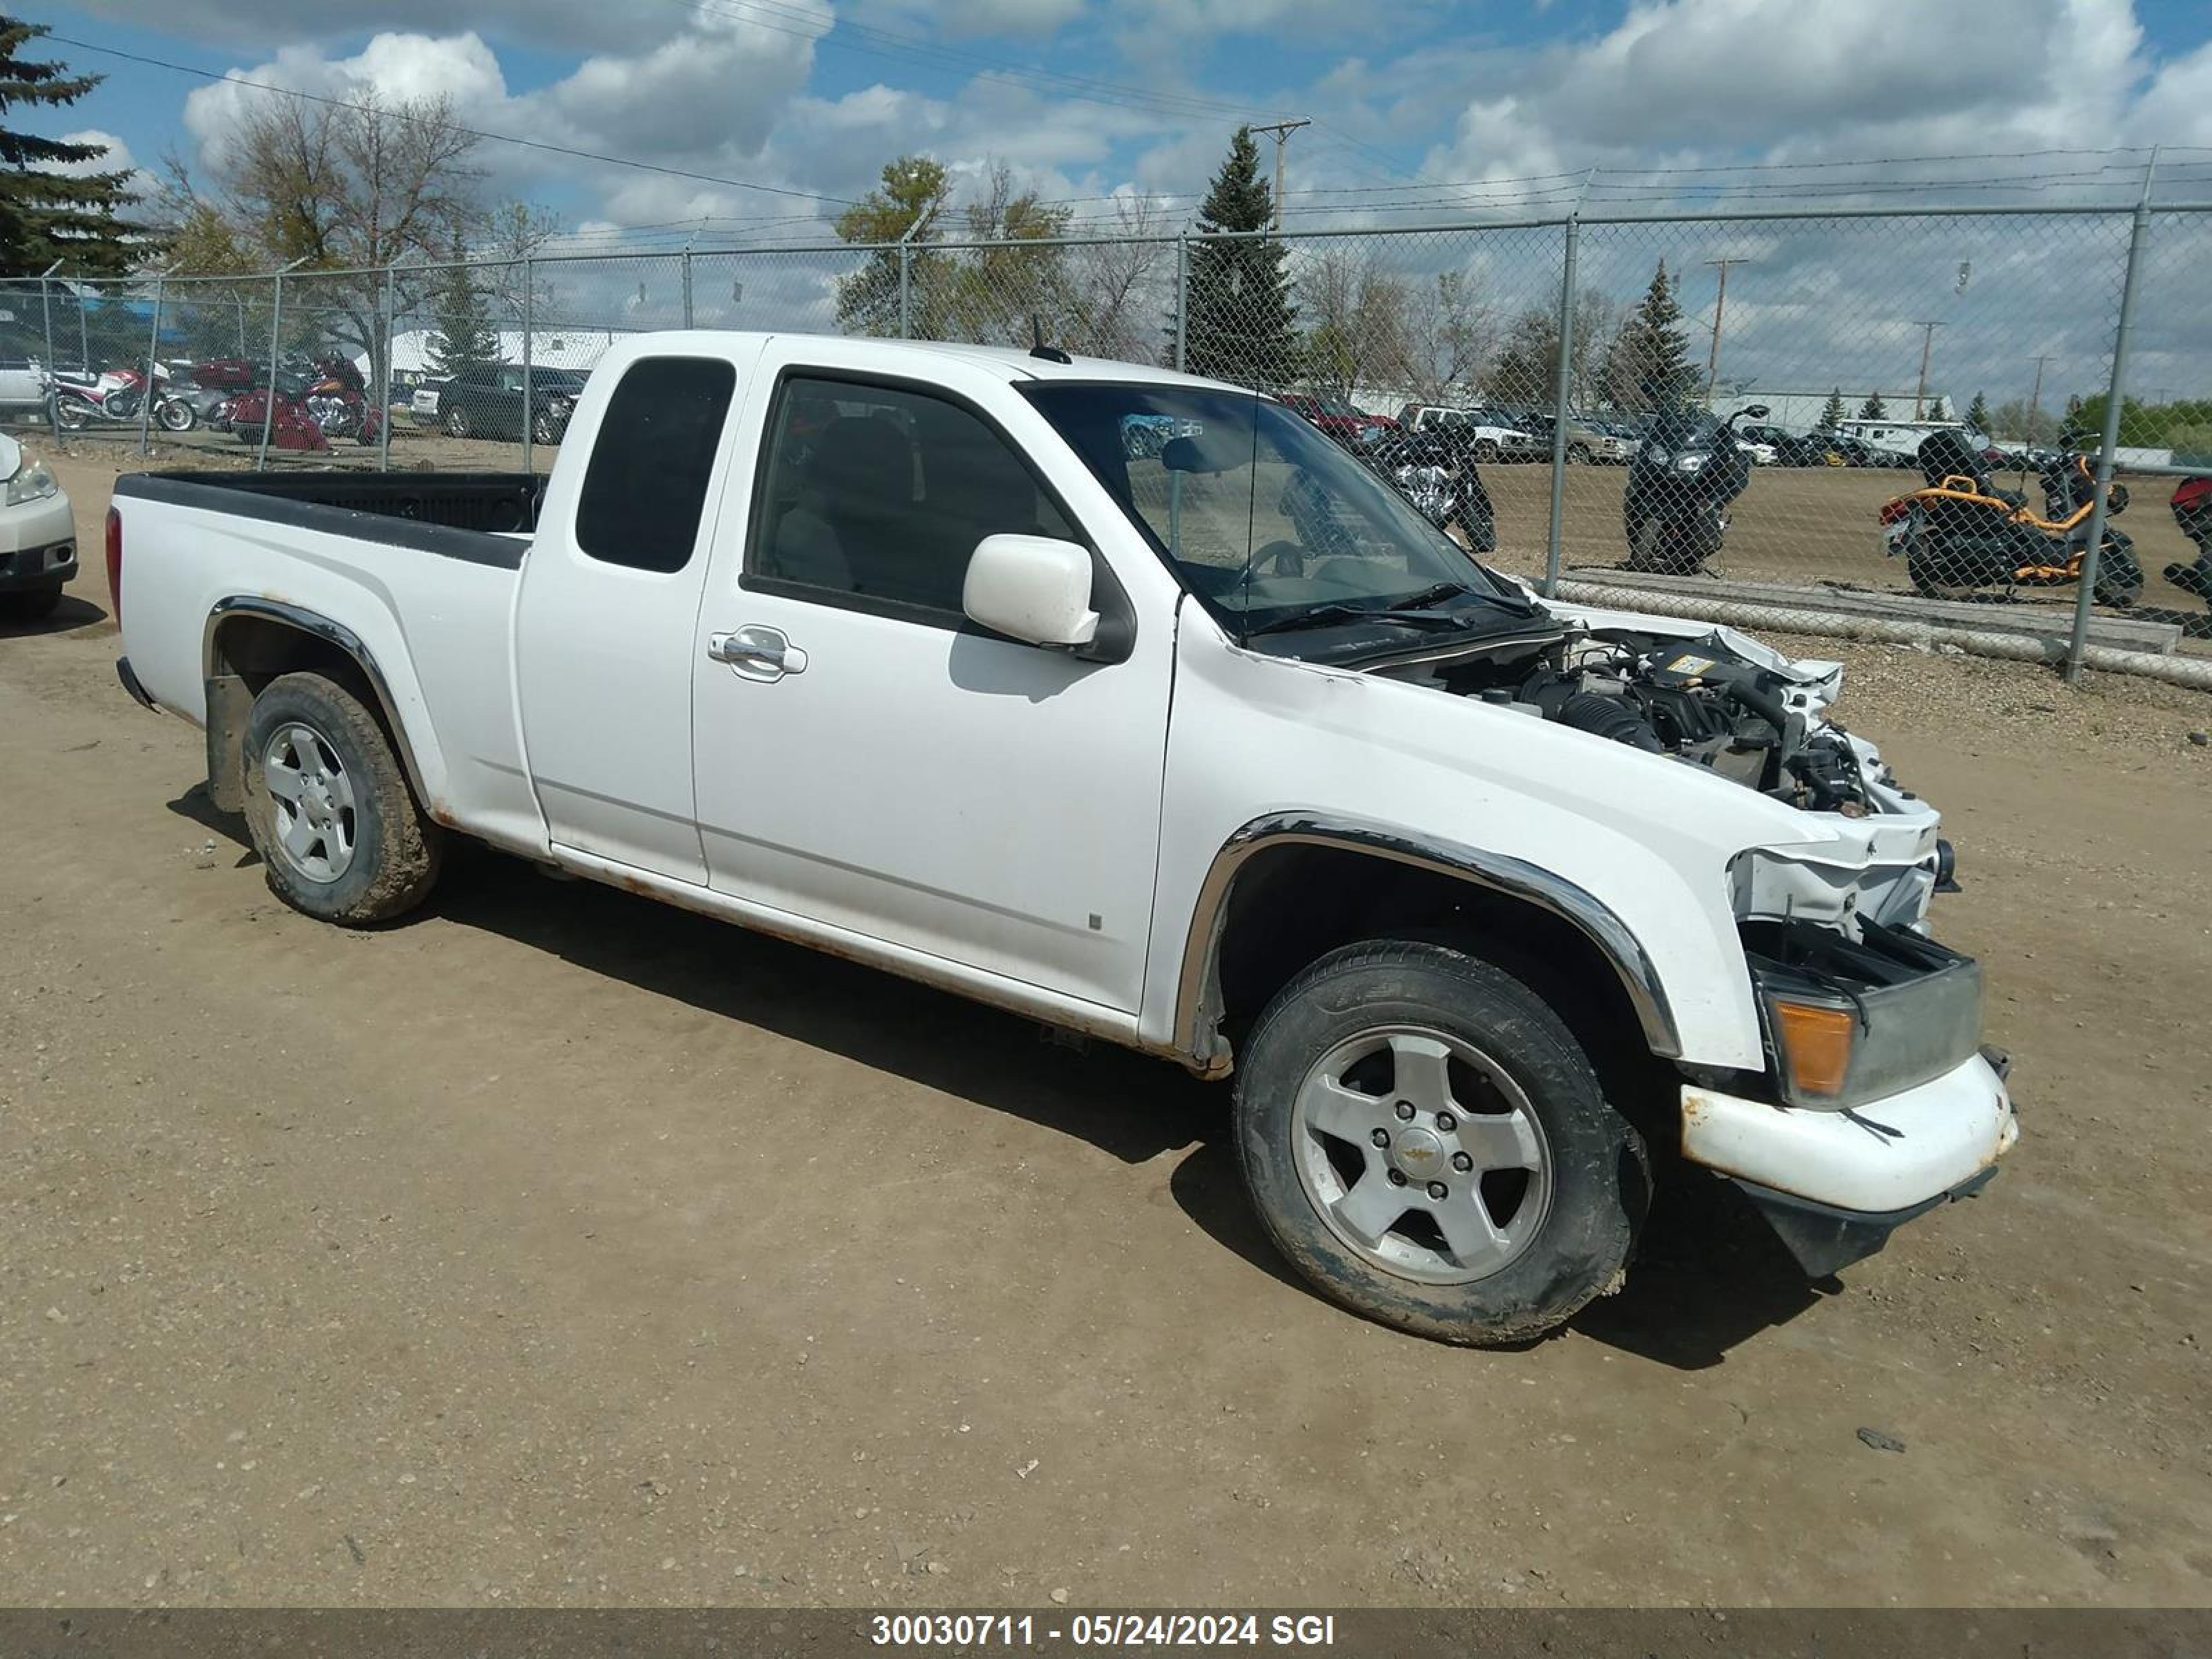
<point>1330,614</point>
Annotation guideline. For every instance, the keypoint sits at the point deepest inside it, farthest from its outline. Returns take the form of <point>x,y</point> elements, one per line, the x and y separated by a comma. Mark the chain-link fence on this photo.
<point>1735,410</point>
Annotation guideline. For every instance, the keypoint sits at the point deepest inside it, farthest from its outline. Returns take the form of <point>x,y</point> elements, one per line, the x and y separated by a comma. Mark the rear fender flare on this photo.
<point>224,688</point>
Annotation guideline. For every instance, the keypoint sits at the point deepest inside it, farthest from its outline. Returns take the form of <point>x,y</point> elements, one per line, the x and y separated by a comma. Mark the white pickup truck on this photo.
<point>1214,748</point>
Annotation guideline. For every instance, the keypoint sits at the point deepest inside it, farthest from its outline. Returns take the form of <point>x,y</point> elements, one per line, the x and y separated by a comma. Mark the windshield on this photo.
<point>1263,516</point>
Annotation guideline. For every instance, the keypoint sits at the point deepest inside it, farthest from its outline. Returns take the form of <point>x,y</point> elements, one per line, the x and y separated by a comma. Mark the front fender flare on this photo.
<point>1198,991</point>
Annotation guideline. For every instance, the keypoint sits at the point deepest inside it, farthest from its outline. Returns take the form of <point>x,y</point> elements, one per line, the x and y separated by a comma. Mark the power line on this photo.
<point>453,126</point>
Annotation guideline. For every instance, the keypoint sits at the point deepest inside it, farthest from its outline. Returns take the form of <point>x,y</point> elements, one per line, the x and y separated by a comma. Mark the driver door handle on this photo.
<point>757,652</point>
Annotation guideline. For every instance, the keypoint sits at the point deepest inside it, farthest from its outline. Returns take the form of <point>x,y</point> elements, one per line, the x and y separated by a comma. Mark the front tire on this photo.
<point>176,416</point>
<point>1427,1144</point>
<point>341,835</point>
<point>458,424</point>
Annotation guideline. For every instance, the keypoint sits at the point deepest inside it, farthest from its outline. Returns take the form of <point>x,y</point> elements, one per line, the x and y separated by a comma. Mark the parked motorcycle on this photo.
<point>308,413</point>
<point>1439,477</point>
<point>2192,511</point>
<point>110,397</point>
<point>1959,530</point>
<point>1688,469</point>
<point>338,401</point>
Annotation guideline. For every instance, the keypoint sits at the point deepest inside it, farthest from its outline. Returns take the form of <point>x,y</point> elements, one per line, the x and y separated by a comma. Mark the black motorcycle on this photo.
<point>1961,530</point>
<point>1688,469</point>
<point>1437,475</point>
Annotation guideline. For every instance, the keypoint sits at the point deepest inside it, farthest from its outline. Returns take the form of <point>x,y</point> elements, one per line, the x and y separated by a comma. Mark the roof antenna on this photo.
<point>1038,348</point>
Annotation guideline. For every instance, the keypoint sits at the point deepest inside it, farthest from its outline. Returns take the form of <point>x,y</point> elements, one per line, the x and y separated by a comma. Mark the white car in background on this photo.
<point>423,407</point>
<point>38,537</point>
<point>1761,454</point>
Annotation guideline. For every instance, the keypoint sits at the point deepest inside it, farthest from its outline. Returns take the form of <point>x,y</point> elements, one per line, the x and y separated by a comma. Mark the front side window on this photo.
<point>646,488</point>
<point>1262,516</point>
<point>878,494</point>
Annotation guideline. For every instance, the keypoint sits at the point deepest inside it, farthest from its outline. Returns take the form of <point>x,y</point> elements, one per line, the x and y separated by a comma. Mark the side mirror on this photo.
<point>1031,588</point>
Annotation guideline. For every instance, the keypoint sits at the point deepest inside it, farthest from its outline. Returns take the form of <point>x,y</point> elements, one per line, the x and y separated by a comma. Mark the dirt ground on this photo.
<point>559,1247</point>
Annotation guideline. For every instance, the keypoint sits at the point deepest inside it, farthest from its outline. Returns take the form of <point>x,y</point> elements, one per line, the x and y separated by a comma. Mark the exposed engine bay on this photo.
<point>1699,701</point>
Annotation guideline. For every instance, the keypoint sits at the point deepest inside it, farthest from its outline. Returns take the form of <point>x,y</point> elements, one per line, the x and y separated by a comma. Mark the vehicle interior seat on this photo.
<point>845,529</point>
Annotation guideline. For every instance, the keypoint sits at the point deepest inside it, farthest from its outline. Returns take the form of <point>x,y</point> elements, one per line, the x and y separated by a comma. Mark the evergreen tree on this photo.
<point>46,215</point>
<point>1832,412</point>
<point>464,342</point>
<point>1649,365</point>
<point>1978,413</point>
<point>1939,410</point>
<point>1242,323</point>
<point>1871,409</point>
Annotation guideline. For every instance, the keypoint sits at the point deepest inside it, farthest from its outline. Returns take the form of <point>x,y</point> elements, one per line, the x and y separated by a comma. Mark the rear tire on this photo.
<point>458,424</point>
<point>1394,1056</point>
<point>341,835</point>
<point>1579,454</point>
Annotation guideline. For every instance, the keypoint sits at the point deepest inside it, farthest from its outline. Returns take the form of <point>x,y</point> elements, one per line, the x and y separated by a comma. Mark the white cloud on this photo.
<point>118,158</point>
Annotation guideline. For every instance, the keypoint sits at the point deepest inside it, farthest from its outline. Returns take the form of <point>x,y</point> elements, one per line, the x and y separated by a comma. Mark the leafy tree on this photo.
<point>46,214</point>
<point>1978,413</point>
<point>1241,320</point>
<point>1873,409</point>
<point>1832,412</point>
<point>1649,363</point>
<point>1525,374</point>
<point>906,206</point>
<point>1002,294</point>
<point>463,341</point>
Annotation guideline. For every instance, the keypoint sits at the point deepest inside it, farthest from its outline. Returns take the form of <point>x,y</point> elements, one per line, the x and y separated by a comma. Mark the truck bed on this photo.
<point>448,512</point>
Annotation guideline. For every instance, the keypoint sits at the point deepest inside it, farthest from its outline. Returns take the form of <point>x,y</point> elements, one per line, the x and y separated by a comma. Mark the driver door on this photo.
<point>868,758</point>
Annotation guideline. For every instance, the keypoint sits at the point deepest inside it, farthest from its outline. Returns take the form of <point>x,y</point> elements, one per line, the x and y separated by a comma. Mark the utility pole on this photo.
<point>1720,302</point>
<point>2034,404</point>
<point>1927,340</point>
<point>1282,130</point>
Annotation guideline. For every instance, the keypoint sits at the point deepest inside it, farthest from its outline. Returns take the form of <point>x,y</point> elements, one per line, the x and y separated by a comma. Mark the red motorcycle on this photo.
<point>2192,511</point>
<point>311,410</point>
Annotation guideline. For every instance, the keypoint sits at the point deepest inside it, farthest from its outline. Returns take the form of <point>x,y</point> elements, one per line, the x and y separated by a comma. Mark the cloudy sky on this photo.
<point>1427,107</point>
<point>764,116</point>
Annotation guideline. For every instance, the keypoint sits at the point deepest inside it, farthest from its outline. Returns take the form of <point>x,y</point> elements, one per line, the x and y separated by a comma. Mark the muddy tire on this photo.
<point>1429,1146</point>
<point>341,835</point>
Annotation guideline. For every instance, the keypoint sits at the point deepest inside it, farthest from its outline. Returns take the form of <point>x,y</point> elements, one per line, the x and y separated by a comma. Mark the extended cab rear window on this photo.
<point>647,485</point>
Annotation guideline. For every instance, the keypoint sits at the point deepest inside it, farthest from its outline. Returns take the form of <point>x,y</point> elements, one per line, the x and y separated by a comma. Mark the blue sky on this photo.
<point>1420,109</point>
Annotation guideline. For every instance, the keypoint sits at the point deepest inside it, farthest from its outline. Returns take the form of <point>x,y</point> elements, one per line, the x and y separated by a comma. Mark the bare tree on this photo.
<point>1448,338</point>
<point>346,189</point>
<point>1359,316</point>
<point>1116,308</point>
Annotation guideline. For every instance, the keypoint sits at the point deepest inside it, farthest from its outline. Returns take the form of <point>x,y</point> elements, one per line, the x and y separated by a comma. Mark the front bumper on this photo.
<point>38,543</point>
<point>1836,1182</point>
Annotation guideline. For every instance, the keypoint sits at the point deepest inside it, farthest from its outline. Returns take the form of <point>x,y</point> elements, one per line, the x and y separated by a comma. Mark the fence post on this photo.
<point>153,382</point>
<point>529,309</point>
<point>275,357</point>
<point>384,379</point>
<point>1560,400</point>
<point>905,281</point>
<point>46,305</point>
<point>687,286</point>
<point>1182,298</point>
<point>2138,236</point>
